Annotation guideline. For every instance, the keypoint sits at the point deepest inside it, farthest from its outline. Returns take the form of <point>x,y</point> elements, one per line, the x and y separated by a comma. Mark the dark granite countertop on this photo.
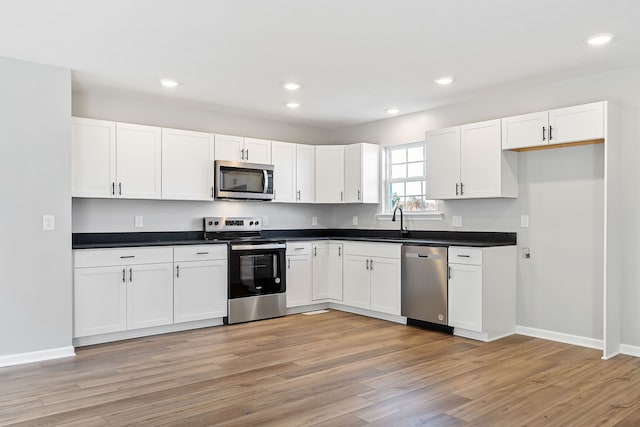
<point>176,238</point>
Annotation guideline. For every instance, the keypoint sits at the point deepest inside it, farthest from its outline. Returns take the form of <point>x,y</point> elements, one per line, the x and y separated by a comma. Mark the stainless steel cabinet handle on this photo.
<point>246,151</point>
<point>242,154</point>
<point>449,272</point>
<point>341,196</point>
<point>463,256</point>
<point>371,265</point>
<point>298,249</point>
<point>202,253</point>
<point>127,256</point>
<point>339,250</point>
<point>367,267</point>
<point>119,189</point>
<point>315,251</point>
<point>289,263</point>
<point>358,194</point>
<point>461,189</point>
<point>113,188</point>
<point>550,132</point>
<point>212,192</point>
<point>298,194</point>
<point>124,275</point>
<point>130,275</point>
<point>177,271</point>
<point>456,188</point>
<point>544,133</point>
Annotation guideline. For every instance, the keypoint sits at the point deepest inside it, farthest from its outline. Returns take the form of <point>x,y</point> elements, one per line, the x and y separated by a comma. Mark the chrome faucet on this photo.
<point>403,231</point>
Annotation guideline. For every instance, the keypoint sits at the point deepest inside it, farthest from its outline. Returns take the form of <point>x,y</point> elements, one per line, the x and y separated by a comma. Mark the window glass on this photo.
<point>406,179</point>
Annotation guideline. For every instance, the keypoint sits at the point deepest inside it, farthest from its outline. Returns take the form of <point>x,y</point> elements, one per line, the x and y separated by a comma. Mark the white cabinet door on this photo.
<point>93,158</point>
<point>329,174</point>
<point>257,151</point>
<point>385,285</point>
<point>187,172</point>
<point>527,130</point>
<point>465,297</point>
<point>283,156</point>
<point>334,269</point>
<point>320,258</point>
<point>579,123</point>
<point>99,300</point>
<point>149,295</point>
<point>139,161</point>
<point>229,147</point>
<point>199,290</point>
<point>353,173</point>
<point>299,280</point>
<point>356,289</point>
<point>305,173</point>
<point>480,160</point>
<point>443,163</point>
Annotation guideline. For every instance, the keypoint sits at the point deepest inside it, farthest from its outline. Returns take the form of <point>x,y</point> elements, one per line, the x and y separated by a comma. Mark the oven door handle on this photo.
<point>258,247</point>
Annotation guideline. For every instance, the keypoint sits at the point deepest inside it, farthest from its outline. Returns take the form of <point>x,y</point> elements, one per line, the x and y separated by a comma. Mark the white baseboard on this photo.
<point>36,356</point>
<point>630,350</point>
<point>560,337</point>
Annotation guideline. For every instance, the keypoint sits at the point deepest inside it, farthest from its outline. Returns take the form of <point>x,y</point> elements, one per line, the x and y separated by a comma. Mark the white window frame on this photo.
<point>387,181</point>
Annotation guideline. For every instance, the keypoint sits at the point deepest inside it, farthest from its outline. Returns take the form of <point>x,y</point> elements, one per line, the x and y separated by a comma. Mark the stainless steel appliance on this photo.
<point>257,274</point>
<point>243,181</point>
<point>424,284</point>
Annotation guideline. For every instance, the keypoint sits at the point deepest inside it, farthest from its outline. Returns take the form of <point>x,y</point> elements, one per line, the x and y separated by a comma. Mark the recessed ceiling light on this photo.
<point>599,39</point>
<point>293,105</point>
<point>444,80</point>
<point>168,83</point>
<point>291,86</point>
<point>392,111</point>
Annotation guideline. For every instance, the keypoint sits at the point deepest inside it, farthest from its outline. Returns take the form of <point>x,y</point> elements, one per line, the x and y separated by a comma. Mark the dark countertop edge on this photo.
<point>178,238</point>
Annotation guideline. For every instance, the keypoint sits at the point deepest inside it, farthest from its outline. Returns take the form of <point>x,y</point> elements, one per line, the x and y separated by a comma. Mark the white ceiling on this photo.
<point>354,58</point>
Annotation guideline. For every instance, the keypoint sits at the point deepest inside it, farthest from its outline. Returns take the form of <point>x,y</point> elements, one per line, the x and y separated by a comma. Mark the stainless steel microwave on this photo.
<point>243,181</point>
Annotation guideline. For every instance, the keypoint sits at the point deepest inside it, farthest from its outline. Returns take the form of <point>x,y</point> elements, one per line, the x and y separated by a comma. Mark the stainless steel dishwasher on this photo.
<point>424,284</point>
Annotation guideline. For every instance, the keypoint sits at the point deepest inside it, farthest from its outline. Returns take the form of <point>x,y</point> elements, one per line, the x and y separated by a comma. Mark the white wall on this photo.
<point>560,287</point>
<point>35,171</point>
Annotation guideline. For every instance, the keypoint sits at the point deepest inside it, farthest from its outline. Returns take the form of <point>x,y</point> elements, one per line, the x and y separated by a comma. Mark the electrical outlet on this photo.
<point>526,253</point>
<point>314,220</point>
<point>355,220</point>
<point>456,221</point>
<point>138,221</point>
<point>524,221</point>
<point>48,222</point>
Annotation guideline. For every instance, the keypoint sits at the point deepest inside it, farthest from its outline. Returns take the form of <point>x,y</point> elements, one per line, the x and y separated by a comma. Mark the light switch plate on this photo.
<point>138,221</point>
<point>314,220</point>
<point>524,221</point>
<point>456,221</point>
<point>355,220</point>
<point>48,222</point>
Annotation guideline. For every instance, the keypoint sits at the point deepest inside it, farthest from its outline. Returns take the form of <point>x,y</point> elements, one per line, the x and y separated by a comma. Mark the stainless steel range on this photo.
<point>257,281</point>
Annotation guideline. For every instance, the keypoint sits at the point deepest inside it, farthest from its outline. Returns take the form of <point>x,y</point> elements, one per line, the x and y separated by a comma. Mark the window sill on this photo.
<point>414,216</point>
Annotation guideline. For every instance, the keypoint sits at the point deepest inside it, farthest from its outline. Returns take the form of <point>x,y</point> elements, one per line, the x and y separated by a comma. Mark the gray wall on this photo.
<point>560,287</point>
<point>35,171</point>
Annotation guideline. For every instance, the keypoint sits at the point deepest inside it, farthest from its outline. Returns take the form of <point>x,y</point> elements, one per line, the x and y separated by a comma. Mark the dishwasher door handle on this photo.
<point>423,256</point>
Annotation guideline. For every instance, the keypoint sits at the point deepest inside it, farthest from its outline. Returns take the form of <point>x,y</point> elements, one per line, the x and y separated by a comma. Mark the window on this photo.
<point>406,181</point>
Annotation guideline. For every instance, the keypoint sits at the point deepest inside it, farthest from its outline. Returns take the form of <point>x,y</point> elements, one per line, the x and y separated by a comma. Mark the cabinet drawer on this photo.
<point>108,257</point>
<point>464,255</point>
<point>298,248</point>
<point>199,252</point>
<point>382,250</point>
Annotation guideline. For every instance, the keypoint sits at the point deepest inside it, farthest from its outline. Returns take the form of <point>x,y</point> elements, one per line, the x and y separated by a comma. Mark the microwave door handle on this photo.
<point>266,181</point>
<point>275,267</point>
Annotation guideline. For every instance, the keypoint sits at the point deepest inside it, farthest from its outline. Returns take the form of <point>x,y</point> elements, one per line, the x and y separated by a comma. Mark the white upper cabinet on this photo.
<point>139,161</point>
<point>362,173</point>
<point>93,158</point>
<point>466,162</point>
<point>443,163</point>
<point>239,149</point>
<point>187,169</point>
<point>559,126</point>
<point>283,157</point>
<point>305,173</point>
<point>329,173</point>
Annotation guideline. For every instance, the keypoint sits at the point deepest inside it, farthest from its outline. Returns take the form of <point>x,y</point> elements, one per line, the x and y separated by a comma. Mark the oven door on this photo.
<point>256,270</point>
<point>236,180</point>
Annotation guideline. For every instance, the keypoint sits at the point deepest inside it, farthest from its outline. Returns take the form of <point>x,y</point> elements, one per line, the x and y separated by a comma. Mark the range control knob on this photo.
<point>251,223</point>
<point>257,222</point>
<point>210,223</point>
<point>217,223</point>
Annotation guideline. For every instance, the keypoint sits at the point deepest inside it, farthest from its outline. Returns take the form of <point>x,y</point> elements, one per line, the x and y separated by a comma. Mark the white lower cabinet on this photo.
<point>199,282</point>
<point>299,274</point>
<point>149,295</point>
<point>327,271</point>
<point>371,277</point>
<point>482,291</point>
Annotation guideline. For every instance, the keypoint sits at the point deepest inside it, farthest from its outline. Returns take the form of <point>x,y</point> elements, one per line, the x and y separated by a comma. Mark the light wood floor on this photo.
<point>333,369</point>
